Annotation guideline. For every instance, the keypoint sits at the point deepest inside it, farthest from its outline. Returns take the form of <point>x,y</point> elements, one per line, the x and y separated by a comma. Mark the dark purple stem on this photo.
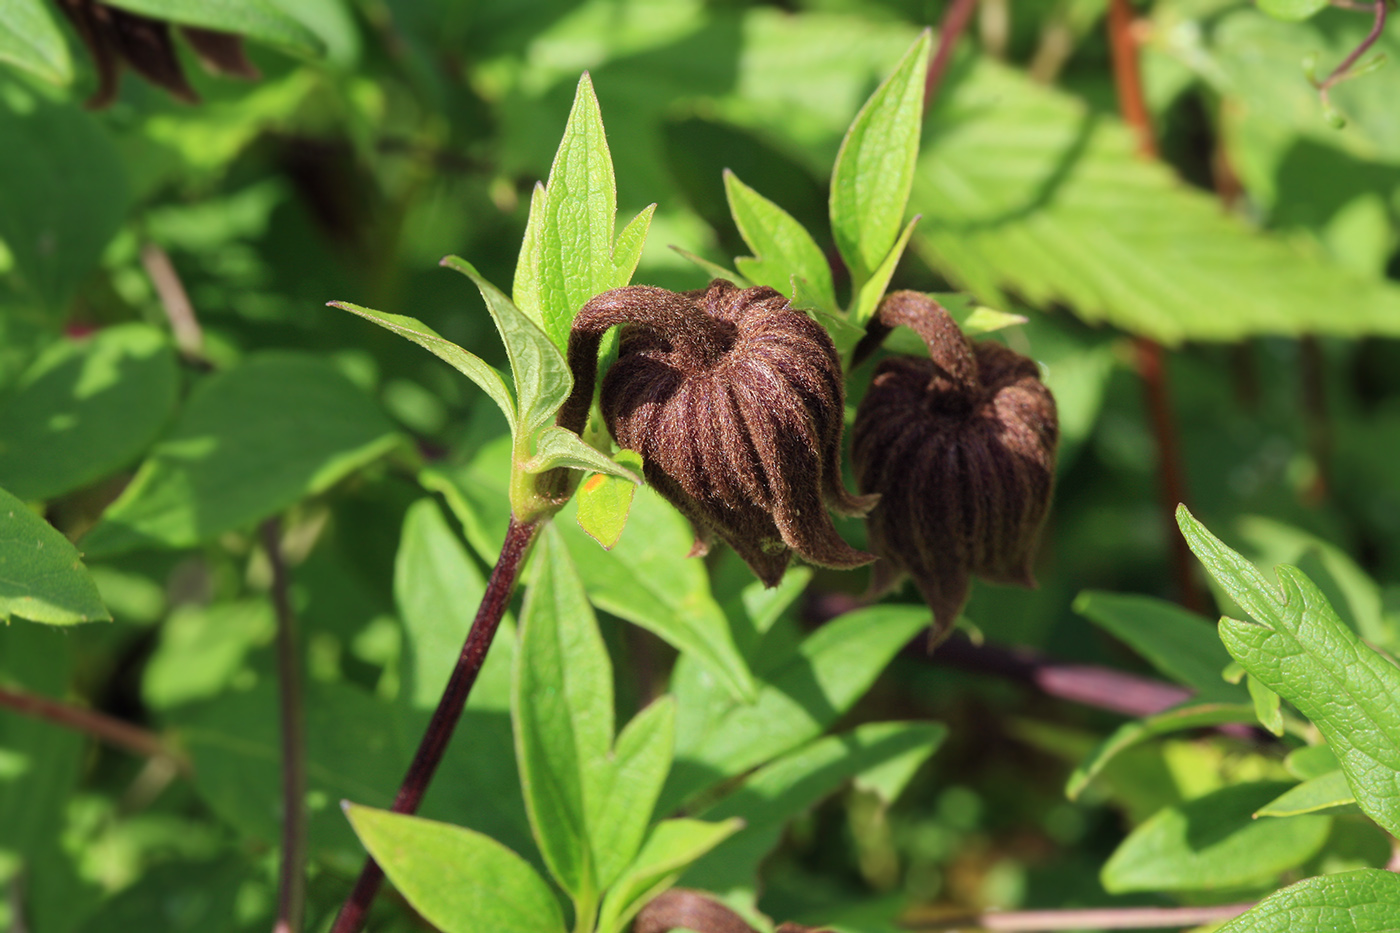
<point>954,22</point>
<point>519,537</point>
<point>1341,72</point>
<point>291,895</point>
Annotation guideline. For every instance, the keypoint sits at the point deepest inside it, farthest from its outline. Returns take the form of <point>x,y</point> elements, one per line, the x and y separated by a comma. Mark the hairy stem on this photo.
<point>1151,361</point>
<point>100,726</point>
<point>519,537</point>
<point>291,882</point>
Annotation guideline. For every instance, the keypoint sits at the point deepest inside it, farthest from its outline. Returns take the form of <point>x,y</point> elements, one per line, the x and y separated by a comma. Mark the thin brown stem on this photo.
<point>1343,71</point>
<point>189,336</point>
<point>519,537</point>
<point>1109,918</point>
<point>291,897</point>
<point>954,22</point>
<point>1151,362</point>
<point>100,726</point>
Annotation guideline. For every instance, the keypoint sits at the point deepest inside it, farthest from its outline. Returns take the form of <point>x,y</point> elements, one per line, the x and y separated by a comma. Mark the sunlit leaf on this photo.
<point>41,574</point>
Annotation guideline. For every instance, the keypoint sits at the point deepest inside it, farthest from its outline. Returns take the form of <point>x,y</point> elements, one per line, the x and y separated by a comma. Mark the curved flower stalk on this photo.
<point>961,448</point>
<point>735,403</point>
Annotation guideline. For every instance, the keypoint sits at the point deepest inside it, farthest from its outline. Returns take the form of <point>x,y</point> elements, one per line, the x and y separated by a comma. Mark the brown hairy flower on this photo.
<point>961,449</point>
<point>115,37</point>
<point>735,402</point>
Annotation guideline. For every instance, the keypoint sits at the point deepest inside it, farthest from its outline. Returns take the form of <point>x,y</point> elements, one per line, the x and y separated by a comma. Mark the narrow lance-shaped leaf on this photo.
<point>671,847</point>
<point>874,168</point>
<point>1302,651</point>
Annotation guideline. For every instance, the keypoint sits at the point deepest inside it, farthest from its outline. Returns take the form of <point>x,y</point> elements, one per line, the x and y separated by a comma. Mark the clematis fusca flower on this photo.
<point>735,402</point>
<point>961,449</point>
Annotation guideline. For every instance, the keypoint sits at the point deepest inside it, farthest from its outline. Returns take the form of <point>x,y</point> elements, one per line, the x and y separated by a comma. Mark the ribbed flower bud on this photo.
<point>961,449</point>
<point>735,402</point>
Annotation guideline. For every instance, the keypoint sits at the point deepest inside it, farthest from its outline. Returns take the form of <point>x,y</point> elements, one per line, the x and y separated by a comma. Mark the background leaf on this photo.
<point>41,575</point>
<point>782,247</point>
<point>85,409</point>
<point>30,39</point>
<point>249,443</point>
<point>262,20</point>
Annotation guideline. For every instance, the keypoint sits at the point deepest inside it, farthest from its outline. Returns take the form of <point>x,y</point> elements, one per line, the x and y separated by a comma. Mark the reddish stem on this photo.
<point>954,22</point>
<point>1127,75</point>
<point>98,725</point>
<point>519,537</point>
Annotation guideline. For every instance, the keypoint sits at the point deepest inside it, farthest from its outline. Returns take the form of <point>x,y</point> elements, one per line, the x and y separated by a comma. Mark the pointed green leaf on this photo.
<point>542,378</point>
<point>569,254</point>
<point>1189,715</point>
<point>984,320</point>
<point>84,409</point>
<point>1328,793</point>
<point>627,252</point>
<point>41,574</point>
<point>1214,843</point>
<point>459,880</point>
<point>648,580</point>
<point>868,296</point>
<point>671,847</point>
<point>1363,901</point>
<point>875,167</point>
<point>1178,643</point>
<point>779,791</point>
<point>468,364</point>
<point>30,39</point>
<point>624,788</point>
<point>604,502</point>
<point>782,248</point>
<point>256,19</point>
<point>250,442</point>
<point>1302,651</point>
<point>562,708</point>
<point>1267,708</point>
<point>797,699</point>
<point>560,447</point>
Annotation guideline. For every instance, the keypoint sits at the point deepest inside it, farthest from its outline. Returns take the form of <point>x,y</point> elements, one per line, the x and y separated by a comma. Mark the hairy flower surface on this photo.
<point>961,449</point>
<point>115,37</point>
<point>735,402</point>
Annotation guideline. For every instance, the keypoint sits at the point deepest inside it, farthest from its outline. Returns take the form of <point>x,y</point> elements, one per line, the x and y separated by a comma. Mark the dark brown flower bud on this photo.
<point>961,449</point>
<point>735,402</point>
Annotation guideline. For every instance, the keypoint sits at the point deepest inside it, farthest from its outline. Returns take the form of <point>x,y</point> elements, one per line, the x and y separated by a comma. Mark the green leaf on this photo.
<point>1363,901</point>
<point>1266,705</point>
<point>604,502</point>
<point>460,881</point>
<point>1179,644</point>
<point>63,194</point>
<point>1214,843</point>
<point>562,708</point>
<point>1292,9</point>
<point>542,378</point>
<point>1311,761</point>
<point>1328,793</point>
<point>868,297</point>
<point>569,254</point>
<point>256,19</point>
<point>84,409</point>
<point>42,577</point>
<point>202,649</point>
<point>648,580</point>
<point>625,789</point>
<point>874,168</point>
<point>437,588</point>
<point>468,364</point>
<point>715,270</point>
<point>1191,715</point>
<point>671,847</point>
<point>1302,651</point>
<point>250,442</point>
<point>797,699</point>
<point>560,447</point>
<point>1022,188</point>
<point>30,39</point>
<point>788,786</point>
<point>783,250</point>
